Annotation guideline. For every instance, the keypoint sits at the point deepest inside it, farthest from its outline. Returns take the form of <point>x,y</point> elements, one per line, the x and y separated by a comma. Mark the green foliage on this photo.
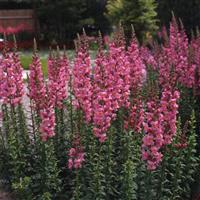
<point>38,170</point>
<point>173,178</point>
<point>113,170</point>
<point>140,13</point>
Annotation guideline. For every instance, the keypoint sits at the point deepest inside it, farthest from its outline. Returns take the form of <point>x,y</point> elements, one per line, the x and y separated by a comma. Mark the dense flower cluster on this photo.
<point>47,124</point>
<point>58,77</point>
<point>111,88</point>
<point>148,57</point>
<point>76,154</point>
<point>11,83</point>
<point>159,126</point>
<point>82,85</point>
<point>118,76</point>
<point>36,85</point>
<point>169,108</point>
<point>102,112</point>
<point>136,117</point>
<point>153,139</point>
<point>42,101</point>
<point>174,63</point>
<point>195,57</point>
<point>116,86</point>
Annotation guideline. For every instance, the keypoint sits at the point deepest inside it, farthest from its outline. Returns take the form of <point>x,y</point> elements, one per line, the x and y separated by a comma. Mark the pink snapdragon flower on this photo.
<point>119,80</point>
<point>11,83</point>
<point>153,139</point>
<point>159,126</point>
<point>137,67</point>
<point>111,88</point>
<point>169,109</point>
<point>136,117</point>
<point>42,101</point>
<point>81,83</point>
<point>36,85</point>
<point>195,56</point>
<point>76,154</point>
<point>174,64</point>
<point>58,77</point>
<point>47,125</point>
<point>102,110</point>
<point>148,57</point>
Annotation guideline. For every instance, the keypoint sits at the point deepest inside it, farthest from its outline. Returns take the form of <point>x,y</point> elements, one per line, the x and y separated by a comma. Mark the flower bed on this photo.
<point>121,128</point>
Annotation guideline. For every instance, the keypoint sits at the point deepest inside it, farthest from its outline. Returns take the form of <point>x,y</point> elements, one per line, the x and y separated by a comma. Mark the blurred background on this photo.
<point>57,22</point>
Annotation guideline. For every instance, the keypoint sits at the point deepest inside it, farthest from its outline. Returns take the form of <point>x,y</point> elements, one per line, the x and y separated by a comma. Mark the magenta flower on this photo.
<point>47,124</point>
<point>153,139</point>
<point>11,84</point>
<point>36,85</point>
<point>169,109</point>
<point>174,61</point>
<point>58,77</point>
<point>82,85</point>
<point>136,116</point>
<point>76,154</point>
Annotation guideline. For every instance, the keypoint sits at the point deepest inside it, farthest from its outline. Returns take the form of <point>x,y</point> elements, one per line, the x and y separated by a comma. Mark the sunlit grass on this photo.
<point>27,59</point>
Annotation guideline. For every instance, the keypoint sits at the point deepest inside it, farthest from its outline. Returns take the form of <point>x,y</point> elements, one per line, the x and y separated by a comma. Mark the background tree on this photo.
<point>141,13</point>
<point>61,20</point>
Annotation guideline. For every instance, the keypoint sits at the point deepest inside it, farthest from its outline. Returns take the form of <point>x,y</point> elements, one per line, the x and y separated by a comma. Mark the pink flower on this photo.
<point>76,154</point>
<point>137,67</point>
<point>159,126</point>
<point>72,152</point>
<point>70,163</point>
<point>169,108</point>
<point>36,86</point>
<point>11,83</point>
<point>58,77</point>
<point>136,117</point>
<point>82,85</point>
<point>174,60</point>
<point>47,124</point>
<point>153,130</point>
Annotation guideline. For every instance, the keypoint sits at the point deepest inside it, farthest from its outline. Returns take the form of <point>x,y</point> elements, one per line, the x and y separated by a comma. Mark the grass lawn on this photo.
<point>26,58</point>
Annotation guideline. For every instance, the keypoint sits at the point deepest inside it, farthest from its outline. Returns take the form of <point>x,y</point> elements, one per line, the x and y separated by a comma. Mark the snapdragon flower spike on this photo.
<point>169,107</point>
<point>102,99</point>
<point>167,74</point>
<point>58,80</point>
<point>2,76</point>
<point>36,85</point>
<point>159,126</point>
<point>81,83</point>
<point>178,69</point>
<point>66,64</point>
<point>76,154</point>
<point>18,70</point>
<point>136,117</point>
<point>195,55</point>
<point>18,77</point>
<point>153,139</point>
<point>47,125</point>
<point>148,58</point>
<point>137,67</point>
<point>118,69</point>
<point>111,86</point>
<point>11,84</point>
